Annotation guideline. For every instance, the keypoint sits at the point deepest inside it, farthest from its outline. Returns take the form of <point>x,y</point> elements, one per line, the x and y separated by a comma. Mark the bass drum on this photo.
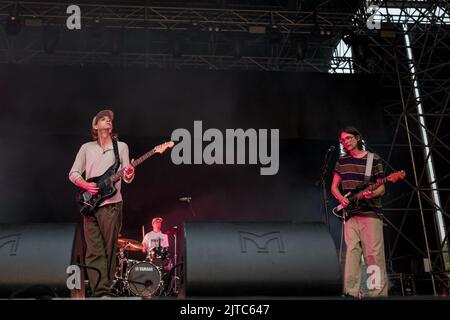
<point>144,279</point>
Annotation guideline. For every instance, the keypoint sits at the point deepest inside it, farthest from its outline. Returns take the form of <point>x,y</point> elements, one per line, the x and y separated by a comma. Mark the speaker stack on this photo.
<point>41,260</point>
<point>260,259</point>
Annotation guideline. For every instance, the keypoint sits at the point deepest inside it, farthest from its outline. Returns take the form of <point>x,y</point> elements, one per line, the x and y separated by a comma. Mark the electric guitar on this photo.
<point>105,183</point>
<point>357,194</point>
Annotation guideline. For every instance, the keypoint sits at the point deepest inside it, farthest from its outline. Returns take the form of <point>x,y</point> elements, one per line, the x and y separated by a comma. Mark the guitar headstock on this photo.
<point>163,147</point>
<point>394,177</point>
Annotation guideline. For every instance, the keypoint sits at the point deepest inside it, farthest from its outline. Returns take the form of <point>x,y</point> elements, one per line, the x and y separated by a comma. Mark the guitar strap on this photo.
<point>116,154</point>
<point>369,164</point>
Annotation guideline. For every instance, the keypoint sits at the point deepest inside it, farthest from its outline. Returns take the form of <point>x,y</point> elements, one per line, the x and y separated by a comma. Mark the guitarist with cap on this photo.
<point>363,231</point>
<point>101,228</point>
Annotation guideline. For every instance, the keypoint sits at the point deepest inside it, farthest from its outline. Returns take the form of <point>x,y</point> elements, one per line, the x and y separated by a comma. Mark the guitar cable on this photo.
<point>340,254</point>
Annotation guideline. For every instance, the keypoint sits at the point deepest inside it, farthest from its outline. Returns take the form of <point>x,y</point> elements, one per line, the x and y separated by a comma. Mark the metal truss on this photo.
<point>182,18</point>
<point>177,37</point>
<point>387,56</point>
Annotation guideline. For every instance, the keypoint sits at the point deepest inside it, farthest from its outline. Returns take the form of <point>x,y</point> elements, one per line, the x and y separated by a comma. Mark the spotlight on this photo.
<point>116,41</point>
<point>237,49</point>
<point>357,43</point>
<point>176,45</point>
<point>195,26</point>
<point>96,28</point>
<point>50,38</point>
<point>301,47</point>
<point>273,34</point>
<point>212,28</point>
<point>325,32</point>
<point>13,25</point>
<point>348,38</point>
<point>176,49</point>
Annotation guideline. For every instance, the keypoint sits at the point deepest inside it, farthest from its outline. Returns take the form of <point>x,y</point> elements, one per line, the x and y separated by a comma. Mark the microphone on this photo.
<point>331,148</point>
<point>186,199</point>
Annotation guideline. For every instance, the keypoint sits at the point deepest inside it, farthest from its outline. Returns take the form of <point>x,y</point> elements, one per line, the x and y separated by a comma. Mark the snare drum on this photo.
<point>159,256</point>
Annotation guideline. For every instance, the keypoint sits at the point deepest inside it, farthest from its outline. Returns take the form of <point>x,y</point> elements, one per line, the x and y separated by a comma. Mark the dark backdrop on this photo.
<point>46,115</point>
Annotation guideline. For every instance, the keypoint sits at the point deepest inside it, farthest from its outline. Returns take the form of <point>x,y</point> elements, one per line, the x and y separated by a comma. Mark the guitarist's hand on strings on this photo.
<point>91,187</point>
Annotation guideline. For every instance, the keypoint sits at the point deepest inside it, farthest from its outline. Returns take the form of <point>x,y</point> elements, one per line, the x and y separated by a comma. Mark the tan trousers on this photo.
<point>364,236</point>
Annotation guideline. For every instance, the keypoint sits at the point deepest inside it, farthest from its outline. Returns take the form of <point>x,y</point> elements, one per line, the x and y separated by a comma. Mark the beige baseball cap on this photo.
<point>100,114</point>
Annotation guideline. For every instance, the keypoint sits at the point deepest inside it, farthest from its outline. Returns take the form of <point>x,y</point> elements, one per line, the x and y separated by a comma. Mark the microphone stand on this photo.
<point>175,284</point>
<point>323,185</point>
<point>190,207</point>
<point>323,173</point>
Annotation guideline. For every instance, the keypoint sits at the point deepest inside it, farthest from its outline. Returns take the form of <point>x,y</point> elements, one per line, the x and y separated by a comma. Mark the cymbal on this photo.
<point>129,244</point>
<point>171,230</point>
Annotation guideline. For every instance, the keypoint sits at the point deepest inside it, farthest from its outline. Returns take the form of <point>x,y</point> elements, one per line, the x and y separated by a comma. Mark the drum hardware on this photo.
<point>173,231</point>
<point>158,275</point>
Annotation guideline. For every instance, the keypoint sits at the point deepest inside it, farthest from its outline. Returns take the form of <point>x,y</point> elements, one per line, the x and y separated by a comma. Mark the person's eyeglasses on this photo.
<point>348,138</point>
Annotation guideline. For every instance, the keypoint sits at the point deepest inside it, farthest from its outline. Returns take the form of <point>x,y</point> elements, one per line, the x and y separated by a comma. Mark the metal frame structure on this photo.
<point>426,72</point>
<point>268,38</point>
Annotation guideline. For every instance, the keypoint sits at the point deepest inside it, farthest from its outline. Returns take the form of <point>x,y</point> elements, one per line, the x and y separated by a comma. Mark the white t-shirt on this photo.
<point>152,239</point>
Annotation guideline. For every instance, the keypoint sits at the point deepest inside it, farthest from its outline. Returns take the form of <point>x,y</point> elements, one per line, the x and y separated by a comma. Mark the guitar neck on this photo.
<point>119,174</point>
<point>372,187</point>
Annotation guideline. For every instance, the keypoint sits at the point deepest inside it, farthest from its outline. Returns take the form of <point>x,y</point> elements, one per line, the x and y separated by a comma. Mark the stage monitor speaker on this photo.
<point>260,259</point>
<point>34,261</point>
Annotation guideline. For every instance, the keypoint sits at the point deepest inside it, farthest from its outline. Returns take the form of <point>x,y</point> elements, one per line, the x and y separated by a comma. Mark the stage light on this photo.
<point>357,44</point>
<point>176,46</point>
<point>257,29</point>
<point>325,32</point>
<point>348,38</point>
<point>212,28</point>
<point>116,41</point>
<point>50,39</point>
<point>176,49</point>
<point>97,28</point>
<point>388,30</point>
<point>273,34</point>
<point>13,25</point>
<point>301,46</point>
<point>237,49</point>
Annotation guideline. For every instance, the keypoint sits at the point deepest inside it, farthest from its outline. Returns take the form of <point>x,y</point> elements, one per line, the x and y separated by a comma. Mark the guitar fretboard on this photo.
<point>372,187</point>
<point>119,174</point>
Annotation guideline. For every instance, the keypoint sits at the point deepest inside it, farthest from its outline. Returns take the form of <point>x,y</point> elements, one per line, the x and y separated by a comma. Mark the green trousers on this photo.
<point>101,232</point>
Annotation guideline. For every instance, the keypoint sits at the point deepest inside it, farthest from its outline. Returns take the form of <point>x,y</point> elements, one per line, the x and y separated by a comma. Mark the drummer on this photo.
<point>155,238</point>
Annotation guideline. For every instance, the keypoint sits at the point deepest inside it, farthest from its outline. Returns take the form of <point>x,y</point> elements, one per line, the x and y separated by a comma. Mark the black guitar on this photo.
<point>358,194</point>
<point>105,183</point>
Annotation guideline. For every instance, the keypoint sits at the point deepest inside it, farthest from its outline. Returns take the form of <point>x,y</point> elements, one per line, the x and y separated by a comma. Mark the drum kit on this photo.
<point>155,276</point>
